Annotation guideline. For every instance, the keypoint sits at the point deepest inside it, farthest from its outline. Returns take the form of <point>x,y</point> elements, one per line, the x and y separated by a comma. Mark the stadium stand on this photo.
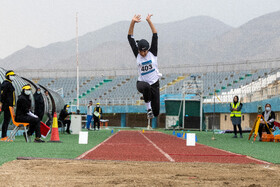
<point>121,89</point>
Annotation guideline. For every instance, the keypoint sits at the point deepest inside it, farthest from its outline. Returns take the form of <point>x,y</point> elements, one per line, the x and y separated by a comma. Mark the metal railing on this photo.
<point>264,87</point>
<point>182,69</point>
<point>259,89</point>
<point>109,102</point>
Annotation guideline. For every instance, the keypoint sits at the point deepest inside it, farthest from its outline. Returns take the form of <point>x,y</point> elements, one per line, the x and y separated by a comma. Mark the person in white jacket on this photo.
<point>89,114</point>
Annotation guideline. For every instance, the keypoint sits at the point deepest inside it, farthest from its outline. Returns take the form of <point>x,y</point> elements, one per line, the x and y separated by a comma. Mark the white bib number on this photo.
<point>146,67</point>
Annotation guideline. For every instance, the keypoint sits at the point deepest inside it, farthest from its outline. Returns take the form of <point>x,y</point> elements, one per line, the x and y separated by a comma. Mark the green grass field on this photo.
<point>71,149</point>
<point>267,151</point>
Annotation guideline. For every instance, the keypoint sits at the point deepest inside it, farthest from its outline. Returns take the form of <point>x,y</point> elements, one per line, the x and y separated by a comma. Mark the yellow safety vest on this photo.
<point>98,111</point>
<point>235,113</point>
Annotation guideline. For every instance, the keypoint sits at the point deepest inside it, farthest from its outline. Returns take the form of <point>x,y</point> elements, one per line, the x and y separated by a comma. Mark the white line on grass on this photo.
<point>249,157</point>
<point>159,149</point>
<point>84,154</point>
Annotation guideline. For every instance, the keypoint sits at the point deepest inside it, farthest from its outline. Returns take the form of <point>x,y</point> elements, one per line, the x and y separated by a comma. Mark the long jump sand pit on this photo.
<point>48,172</point>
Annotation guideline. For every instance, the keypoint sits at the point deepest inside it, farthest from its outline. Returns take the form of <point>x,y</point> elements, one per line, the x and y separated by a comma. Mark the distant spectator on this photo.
<point>89,114</point>
<point>97,114</point>
<point>269,117</point>
<point>24,114</point>
<point>63,117</point>
<point>235,108</point>
<point>7,100</point>
<point>49,112</point>
<point>39,104</point>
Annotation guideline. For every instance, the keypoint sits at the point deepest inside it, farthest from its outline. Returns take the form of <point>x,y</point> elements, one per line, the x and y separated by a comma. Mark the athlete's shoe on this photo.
<point>150,114</point>
<point>39,140</point>
<point>4,139</point>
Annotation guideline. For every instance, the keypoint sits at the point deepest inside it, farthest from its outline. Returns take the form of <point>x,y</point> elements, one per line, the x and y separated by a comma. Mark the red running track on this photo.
<point>156,146</point>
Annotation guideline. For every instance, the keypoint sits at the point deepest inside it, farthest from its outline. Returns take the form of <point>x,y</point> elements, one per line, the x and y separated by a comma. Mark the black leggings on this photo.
<point>34,125</point>
<point>150,93</point>
<point>96,123</point>
<point>67,123</point>
<point>7,119</point>
<point>235,129</point>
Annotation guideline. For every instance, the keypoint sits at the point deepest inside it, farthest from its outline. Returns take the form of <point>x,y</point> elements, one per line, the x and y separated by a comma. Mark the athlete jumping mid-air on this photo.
<point>146,57</point>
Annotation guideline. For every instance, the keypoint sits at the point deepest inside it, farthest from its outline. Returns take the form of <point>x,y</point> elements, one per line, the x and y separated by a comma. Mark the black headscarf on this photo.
<point>39,103</point>
<point>237,100</point>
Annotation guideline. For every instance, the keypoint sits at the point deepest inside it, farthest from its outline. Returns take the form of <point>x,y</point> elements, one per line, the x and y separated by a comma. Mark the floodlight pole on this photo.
<point>184,109</point>
<point>214,121</point>
<point>77,60</point>
<point>201,112</point>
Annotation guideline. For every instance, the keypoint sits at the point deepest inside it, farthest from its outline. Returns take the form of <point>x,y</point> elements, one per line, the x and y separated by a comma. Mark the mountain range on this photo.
<point>196,40</point>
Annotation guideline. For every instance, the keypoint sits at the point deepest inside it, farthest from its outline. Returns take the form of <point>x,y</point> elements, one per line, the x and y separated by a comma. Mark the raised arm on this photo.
<point>154,45</point>
<point>151,24</point>
<point>135,19</point>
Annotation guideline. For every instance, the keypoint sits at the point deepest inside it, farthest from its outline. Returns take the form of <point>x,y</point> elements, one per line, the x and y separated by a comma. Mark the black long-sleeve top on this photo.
<point>271,117</point>
<point>153,49</point>
<point>7,94</point>
<point>39,103</point>
<point>63,113</point>
<point>23,105</point>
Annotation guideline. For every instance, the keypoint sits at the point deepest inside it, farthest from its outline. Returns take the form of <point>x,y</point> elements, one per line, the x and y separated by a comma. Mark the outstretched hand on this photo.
<point>148,18</point>
<point>136,18</point>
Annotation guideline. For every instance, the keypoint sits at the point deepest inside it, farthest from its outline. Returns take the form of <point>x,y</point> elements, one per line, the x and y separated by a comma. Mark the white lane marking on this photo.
<point>84,154</point>
<point>249,157</point>
<point>159,149</point>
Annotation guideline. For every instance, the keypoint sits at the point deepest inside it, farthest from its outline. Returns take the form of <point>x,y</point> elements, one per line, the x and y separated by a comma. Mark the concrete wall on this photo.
<point>133,120</point>
<point>247,120</point>
<point>226,124</point>
<point>223,122</point>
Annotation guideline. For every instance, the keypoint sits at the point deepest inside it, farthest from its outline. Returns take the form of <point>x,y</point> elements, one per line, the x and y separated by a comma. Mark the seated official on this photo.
<point>23,114</point>
<point>63,117</point>
<point>269,117</point>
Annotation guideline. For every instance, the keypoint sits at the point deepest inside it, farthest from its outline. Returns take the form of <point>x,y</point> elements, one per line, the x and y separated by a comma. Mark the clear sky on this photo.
<point>40,22</point>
